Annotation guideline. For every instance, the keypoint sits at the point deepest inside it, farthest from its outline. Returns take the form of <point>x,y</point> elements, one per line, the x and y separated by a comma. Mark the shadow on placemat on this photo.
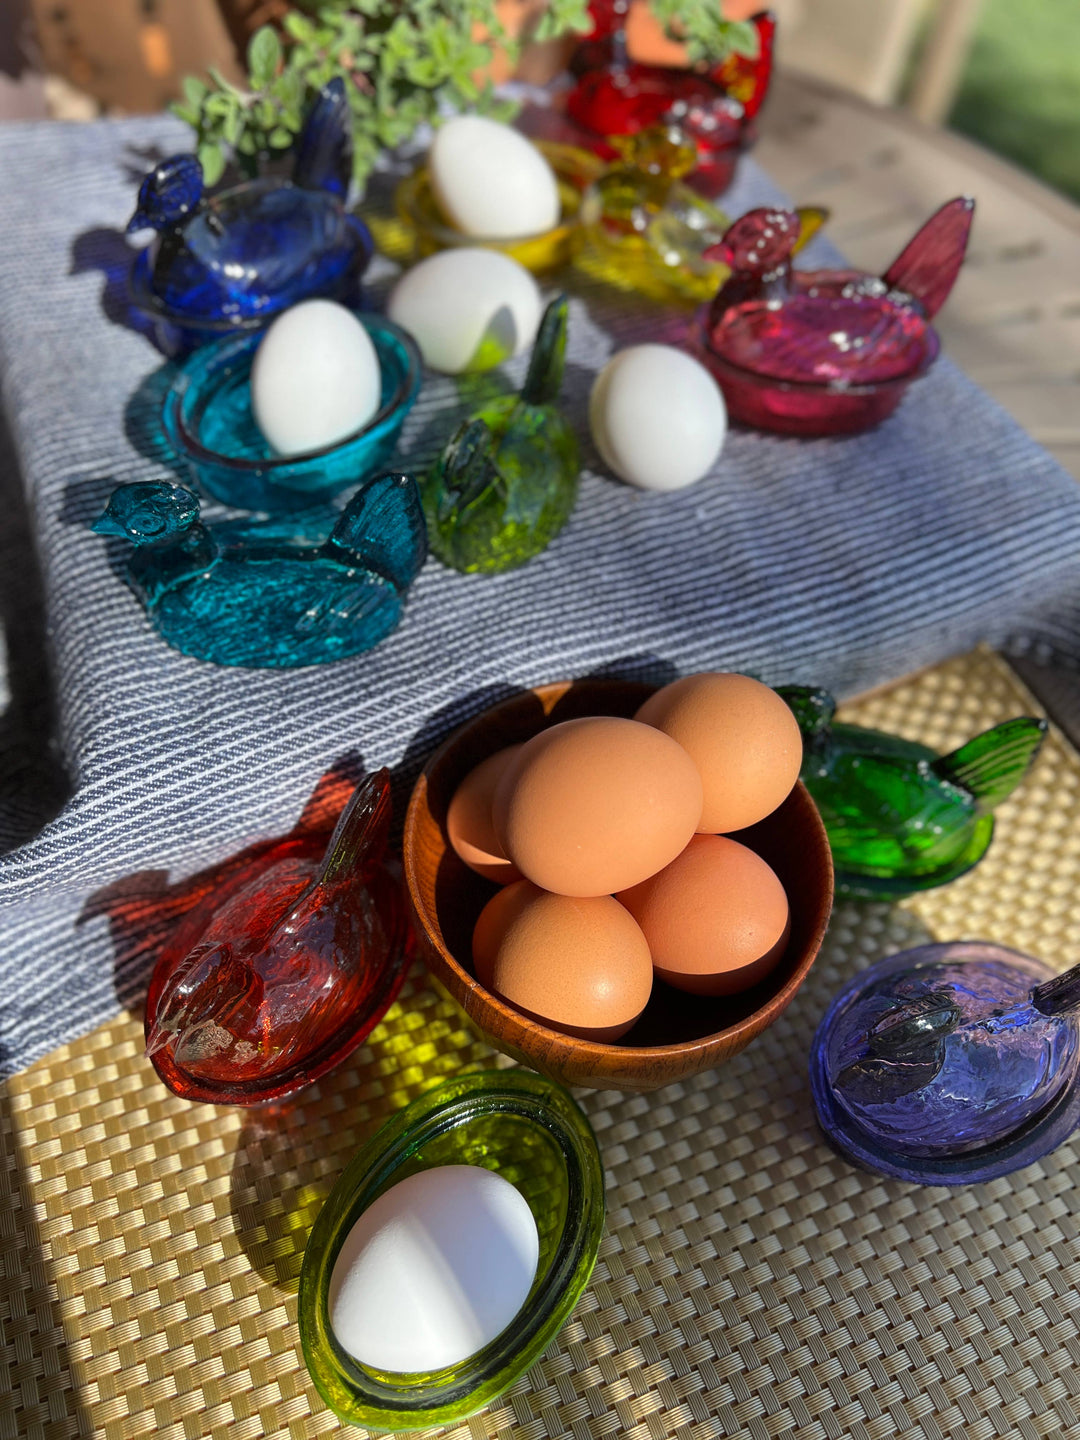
<point>38,1392</point>
<point>289,1156</point>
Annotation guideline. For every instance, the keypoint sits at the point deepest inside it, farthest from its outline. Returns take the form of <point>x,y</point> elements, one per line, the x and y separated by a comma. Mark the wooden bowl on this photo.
<point>678,1034</point>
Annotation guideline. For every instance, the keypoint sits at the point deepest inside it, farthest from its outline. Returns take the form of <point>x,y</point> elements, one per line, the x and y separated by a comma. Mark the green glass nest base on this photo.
<point>530,1131</point>
<point>865,885</point>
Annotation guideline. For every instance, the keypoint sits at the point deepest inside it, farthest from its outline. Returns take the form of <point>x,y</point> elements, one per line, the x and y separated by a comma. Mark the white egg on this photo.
<point>490,181</point>
<point>433,1270</point>
<point>467,309</point>
<point>657,417</point>
<point>315,378</point>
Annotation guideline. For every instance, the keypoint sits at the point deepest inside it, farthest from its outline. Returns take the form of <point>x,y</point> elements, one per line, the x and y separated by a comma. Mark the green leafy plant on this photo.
<point>405,63</point>
<point>701,28</point>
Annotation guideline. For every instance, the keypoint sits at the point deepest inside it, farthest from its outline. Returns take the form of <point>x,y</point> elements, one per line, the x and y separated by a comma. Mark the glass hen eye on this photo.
<point>144,522</point>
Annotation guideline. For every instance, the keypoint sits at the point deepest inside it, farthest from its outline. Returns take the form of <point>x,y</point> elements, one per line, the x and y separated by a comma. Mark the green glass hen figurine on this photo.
<point>899,817</point>
<point>505,485</point>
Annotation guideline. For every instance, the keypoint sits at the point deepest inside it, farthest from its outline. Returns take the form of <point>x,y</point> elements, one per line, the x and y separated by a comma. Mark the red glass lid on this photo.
<point>279,973</point>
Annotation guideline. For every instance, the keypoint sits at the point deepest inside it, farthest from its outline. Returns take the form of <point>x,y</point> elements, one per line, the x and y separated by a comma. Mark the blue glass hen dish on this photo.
<point>950,1064</point>
<point>208,419</point>
<point>267,595</point>
<point>234,260</point>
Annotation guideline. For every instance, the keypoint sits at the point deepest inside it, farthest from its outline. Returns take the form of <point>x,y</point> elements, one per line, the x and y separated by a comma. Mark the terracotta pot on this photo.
<point>539,61</point>
<point>647,43</point>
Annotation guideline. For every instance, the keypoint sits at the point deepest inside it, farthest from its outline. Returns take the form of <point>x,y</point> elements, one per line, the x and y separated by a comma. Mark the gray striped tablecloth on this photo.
<point>843,562</point>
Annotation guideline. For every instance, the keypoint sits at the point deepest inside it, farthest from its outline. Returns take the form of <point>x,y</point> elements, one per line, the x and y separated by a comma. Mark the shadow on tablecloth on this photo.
<point>33,784</point>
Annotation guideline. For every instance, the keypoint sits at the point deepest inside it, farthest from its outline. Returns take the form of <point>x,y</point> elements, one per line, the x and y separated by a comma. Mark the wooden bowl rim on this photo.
<point>621,1057</point>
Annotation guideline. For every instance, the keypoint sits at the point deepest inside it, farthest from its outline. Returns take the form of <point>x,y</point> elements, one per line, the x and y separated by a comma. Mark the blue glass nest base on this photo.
<point>256,595</point>
<point>1019,1056</point>
<point>176,332</point>
<point>209,422</point>
<point>253,609</point>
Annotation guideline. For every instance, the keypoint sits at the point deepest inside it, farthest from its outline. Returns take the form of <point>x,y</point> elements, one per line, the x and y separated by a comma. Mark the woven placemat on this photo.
<point>750,1283</point>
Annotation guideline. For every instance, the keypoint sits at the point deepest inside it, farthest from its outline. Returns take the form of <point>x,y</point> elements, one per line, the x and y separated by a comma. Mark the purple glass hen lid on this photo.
<point>822,337</point>
<point>233,260</point>
<point>950,1063</point>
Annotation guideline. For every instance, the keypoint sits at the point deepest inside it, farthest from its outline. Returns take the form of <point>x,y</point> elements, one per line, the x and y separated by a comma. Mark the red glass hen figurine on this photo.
<point>823,352</point>
<point>617,96</point>
<point>282,972</point>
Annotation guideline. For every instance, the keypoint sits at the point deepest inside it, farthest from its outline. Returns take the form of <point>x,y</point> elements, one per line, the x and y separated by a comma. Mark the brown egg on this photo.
<point>742,737</point>
<point>468,820</point>
<point>716,920</point>
<point>495,919</point>
<point>592,806</point>
<point>579,965</point>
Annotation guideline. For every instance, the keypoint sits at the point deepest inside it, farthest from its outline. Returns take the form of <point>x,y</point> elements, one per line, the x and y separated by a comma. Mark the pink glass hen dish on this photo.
<point>278,975</point>
<point>824,352</point>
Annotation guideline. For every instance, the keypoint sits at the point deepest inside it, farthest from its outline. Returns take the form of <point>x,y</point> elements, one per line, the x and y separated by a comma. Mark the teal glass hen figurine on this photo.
<point>507,482</point>
<point>899,817</point>
<point>262,594</point>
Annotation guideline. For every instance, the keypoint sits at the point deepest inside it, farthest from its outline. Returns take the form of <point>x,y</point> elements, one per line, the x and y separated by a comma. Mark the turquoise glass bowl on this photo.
<point>530,1131</point>
<point>209,422</point>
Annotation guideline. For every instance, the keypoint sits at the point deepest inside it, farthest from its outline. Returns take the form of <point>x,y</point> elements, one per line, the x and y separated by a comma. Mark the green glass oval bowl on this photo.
<point>530,1131</point>
<point>574,169</point>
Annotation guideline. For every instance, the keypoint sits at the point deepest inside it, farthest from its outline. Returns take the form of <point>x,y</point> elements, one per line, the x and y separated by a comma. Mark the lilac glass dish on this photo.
<point>950,1064</point>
